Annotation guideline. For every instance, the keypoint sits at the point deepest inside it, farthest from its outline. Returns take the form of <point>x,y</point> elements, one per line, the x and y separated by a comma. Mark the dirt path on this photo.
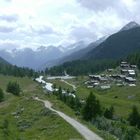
<point>83,130</point>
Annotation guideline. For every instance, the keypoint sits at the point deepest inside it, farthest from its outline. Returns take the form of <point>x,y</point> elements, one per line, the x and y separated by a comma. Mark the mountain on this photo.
<point>3,62</point>
<point>43,55</point>
<point>118,45</point>
<point>130,25</point>
<point>8,69</point>
<point>31,58</point>
<point>80,53</point>
<point>67,51</point>
<point>81,49</point>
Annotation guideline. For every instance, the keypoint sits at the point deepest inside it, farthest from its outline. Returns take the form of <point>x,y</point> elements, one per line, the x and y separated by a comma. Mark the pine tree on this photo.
<point>109,112</point>
<point>134,117</point>
<point>92,108</point>
<point>14,88</point>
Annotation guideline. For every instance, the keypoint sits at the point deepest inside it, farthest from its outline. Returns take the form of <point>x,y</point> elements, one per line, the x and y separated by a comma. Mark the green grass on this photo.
<point>28,119</point>
<point>61,84</point>
<point>59,105</point>
<point>122,104</point>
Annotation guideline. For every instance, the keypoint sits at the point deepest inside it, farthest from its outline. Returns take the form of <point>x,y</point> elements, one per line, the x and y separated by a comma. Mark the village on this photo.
<point>125,75</point>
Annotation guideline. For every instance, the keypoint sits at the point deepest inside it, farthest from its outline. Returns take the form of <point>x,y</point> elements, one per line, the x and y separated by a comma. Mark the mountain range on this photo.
<point>105,55</point>
<point>36,59</point>
<point>118,45</point>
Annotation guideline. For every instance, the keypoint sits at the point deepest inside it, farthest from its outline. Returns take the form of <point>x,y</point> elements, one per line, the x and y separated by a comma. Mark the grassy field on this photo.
<point>126,97</point>
<point>22,118</point>
<point>59,83</point>
<point>122,98</point>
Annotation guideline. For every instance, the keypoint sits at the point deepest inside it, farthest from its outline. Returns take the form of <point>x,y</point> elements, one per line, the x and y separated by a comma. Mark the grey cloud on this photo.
<point>120,7</point>
<point>82,33</point>
<point>8,0</point>
<point>9,18</point>
<point>44,30</point>
<point>8,45</point>
<point>98,4</point>
<point>4,29</point>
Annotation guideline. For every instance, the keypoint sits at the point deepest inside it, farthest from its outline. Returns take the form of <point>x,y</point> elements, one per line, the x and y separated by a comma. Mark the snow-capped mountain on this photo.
<point>36,58</point>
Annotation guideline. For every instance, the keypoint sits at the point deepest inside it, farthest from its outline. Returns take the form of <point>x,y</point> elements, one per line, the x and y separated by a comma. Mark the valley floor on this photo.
<point>26,119</point>
<point>83,130</point>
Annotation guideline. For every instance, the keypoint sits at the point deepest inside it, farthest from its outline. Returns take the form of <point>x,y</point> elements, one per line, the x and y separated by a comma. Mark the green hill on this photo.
<point>23,118</point>
<point>118,45</point>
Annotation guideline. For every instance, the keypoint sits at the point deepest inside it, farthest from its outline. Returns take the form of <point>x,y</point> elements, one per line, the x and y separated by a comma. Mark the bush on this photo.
<point>116,128</point>
<point>109,112</point>
<point>14,88</point>
<point>1,95</point>
<point>134,117</point>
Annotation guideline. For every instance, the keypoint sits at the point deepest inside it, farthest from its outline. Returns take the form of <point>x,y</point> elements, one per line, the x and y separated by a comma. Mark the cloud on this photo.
<point>98,5</point>
<point>33,23</point>
<point>8,44</point>
<point>5,29</point>
<point>43,30</point>
<point>9,18</point>
<point>127,9</point>
<point>83,33</point>
<point>8,0</point>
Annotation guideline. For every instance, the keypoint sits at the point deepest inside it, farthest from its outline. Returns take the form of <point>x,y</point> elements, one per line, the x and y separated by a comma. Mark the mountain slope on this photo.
<point>130,25</point>
<point>77,54</point>
<point>43,55</point>
<point>118,45</point>
<point>3,62</point>
<point>82,52</point>
<point>30,58</point>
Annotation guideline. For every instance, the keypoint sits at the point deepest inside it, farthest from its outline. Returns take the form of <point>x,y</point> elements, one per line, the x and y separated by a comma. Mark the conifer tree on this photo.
<point>134,117</point>
<point>92,108</point>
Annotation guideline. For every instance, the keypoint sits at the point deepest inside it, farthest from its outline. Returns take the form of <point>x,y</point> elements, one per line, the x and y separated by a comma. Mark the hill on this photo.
<point>23,118</point>
<point>76,55</point>
<point>109,52</point>
<point>44,55</point>
<point>3,62</point>
<point>8,69</point>
<point>118,45</point>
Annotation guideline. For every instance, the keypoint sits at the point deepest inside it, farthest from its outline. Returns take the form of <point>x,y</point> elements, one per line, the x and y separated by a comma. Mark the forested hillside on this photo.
<point>82,67</point>
<point>118,45</point>
<point>8,69</point>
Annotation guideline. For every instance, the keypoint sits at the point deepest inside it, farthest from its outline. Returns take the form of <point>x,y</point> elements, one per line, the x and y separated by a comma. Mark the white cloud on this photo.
<point>32,23</point>
<point>9,18</point>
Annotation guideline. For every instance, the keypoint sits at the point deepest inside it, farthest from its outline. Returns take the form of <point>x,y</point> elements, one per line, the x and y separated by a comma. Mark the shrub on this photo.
<point>14,88</point>
<point>1,95</point>
<point>109,112</point>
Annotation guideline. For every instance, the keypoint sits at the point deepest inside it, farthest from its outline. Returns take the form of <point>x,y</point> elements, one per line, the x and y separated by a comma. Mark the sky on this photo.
<point>35,23</point>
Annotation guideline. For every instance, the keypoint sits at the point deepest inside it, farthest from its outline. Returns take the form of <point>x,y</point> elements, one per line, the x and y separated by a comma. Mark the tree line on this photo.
<point>82,67</point>
<point>103,117</point>
<point>134,59</point>
<point>13,88</point>
<point>8,69</point>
